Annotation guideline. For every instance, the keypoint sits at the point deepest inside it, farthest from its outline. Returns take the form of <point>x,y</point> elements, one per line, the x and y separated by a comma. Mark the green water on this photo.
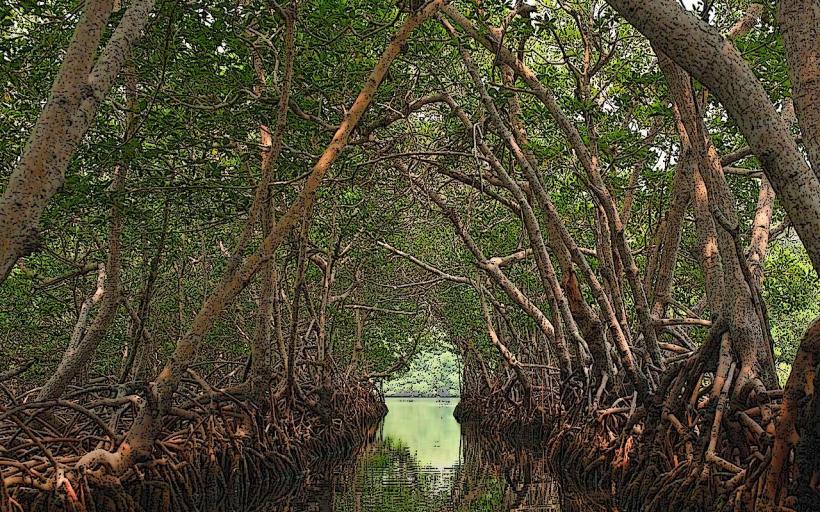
<point>423,461</point>
<point>427,428</point>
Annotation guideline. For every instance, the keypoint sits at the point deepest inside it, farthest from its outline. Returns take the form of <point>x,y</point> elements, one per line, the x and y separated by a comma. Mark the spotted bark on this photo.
<point>81,85</point>
<point>714,61</point>
<point>800,24</point>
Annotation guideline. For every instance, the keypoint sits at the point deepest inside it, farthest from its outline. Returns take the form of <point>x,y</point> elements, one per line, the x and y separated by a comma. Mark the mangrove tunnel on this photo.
<point>410,255</point>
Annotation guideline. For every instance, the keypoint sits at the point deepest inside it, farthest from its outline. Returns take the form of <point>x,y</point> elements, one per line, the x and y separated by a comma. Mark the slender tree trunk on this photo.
<point>508,357</point>
<point>298,286</point>
<point>564,247</point>
<point>261,367</point>
<point>707,240</point>
<point>588,162</point>
<point>81,349</point>
<point>670,241</point>
<point>496,274</point>
<point>358,344</point>
<point>549,278</point>
<point>760,231</point>
<point>550,331</point>
<point>140,437</point>
<point>84,343</point>
<point>141,340</point>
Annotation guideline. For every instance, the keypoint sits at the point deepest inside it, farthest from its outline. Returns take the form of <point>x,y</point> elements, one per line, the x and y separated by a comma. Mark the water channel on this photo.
<point>421,459</point>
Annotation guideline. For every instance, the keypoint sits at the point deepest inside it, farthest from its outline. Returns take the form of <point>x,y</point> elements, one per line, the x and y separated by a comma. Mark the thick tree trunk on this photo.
<point>714,61</point>
<point>800,385</point>
<point>78,90</point>
<point>800,24</point>
<point>740,298</point>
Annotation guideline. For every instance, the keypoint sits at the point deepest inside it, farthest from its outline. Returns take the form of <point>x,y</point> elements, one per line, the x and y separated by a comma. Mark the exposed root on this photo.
<point>215,450</point>
<point>702,443</point>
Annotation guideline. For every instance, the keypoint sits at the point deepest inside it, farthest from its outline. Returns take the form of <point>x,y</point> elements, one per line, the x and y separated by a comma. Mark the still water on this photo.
<point>422,460</point>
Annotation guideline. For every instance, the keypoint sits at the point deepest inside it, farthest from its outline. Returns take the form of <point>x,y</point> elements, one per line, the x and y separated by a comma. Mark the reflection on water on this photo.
<point>421,461</point>
<point>426,427</point>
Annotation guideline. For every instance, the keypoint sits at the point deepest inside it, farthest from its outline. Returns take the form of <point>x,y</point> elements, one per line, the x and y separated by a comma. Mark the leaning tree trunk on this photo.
<point>563,245</point>
<point>549,278</point>
<point>77,91</point>
<point>84,342</point>
<point>272,147</point>
<point>800,390</point>
<point>82,346</point>
<point>589,164</point>
<point>140,438</point>
<point>494,271</point>
<point>705,54</point>
<point>507,355</point>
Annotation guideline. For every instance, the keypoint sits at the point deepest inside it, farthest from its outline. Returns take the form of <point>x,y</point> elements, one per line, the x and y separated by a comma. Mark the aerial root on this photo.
<point>700,444</point>
<point>215,451</point>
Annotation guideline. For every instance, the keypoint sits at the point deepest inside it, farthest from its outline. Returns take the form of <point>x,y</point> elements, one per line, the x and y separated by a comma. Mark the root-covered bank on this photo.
<point>692,446</point>
<point>216,449</point>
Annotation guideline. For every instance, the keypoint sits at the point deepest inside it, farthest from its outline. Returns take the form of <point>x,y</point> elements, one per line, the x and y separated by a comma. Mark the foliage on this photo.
<point>431,373</point>
<point>791,295</point>
<point>194,163</point>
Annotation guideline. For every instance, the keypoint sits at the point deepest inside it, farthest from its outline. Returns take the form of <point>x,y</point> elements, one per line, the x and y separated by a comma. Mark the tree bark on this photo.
<point>549,279</point>
<point>508,357</point>
<point>705,54</point>
<point>800,24</point>
<point>79,88</point>
<point>84,343</point>
<point>589,164</point>
<point>760,231</point>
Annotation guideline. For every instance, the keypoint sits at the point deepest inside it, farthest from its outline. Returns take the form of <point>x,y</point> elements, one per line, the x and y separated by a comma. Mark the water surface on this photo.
<point>421,460</point>
<point>427,428</point>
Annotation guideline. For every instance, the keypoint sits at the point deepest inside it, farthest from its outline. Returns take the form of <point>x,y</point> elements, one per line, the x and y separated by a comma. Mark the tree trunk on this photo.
<point>81,349</point>
<point>78,90</point>
<point>800,24</point>
<point>703,52</point>
<point>272,147</point>
<point>740,297</point>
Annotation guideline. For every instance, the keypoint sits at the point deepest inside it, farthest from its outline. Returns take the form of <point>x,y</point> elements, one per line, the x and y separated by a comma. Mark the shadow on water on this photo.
<point>421,459</point>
